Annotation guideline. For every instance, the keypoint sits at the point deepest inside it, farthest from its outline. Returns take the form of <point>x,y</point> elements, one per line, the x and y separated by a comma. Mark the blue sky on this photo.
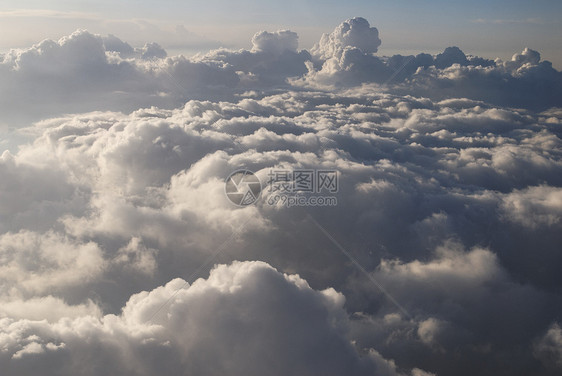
<point>489,28</point>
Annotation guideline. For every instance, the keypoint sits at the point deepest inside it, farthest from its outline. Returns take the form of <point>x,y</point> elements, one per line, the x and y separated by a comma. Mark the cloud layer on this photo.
<point>86,72</point>
<point>449,198</point>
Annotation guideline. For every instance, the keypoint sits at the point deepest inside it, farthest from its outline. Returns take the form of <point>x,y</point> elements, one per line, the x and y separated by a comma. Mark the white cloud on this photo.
<point>353,33</point>
<point>275,43</point>
<point>549,348</point>
<point>452,272</point>
<point>429,329</point>
<point>47,308</point>
<point>86,72</point>
<point>534,206</point>
<point>30,348</point>
<point>77,74</point>
<point>246,318</point>
<point>39,263</point>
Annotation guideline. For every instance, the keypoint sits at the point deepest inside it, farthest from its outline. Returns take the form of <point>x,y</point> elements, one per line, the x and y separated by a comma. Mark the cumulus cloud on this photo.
<point>273,59</point>
<point>85,72</point>
<point>275,43</point>
<point>535,206</point>
<point>449,198</point>
<point>286,327</point>
<point>549,348</point>
<point>525,81</point>
<point>153,51</point>
<point>345,58</point>
<point>355,33</point>
<point>37,263</point>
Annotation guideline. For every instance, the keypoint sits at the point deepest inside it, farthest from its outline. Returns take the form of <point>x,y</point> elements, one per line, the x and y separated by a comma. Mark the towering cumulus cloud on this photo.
<point>355,33</point>
<point>120,252</point>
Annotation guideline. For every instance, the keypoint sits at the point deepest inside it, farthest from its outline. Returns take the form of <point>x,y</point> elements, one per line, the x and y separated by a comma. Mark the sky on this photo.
<point>250,188</point>
<point>484,28</point>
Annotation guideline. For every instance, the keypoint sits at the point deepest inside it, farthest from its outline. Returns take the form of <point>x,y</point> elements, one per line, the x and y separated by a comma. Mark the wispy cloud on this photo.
<point>47,13</point>
<point>532,20</point>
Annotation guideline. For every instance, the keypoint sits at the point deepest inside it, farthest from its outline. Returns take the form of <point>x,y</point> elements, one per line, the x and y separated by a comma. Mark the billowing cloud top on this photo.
<point>121,254</point>
<point>353,33</point>
<point>85,72</point>
<point>275,43</point>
